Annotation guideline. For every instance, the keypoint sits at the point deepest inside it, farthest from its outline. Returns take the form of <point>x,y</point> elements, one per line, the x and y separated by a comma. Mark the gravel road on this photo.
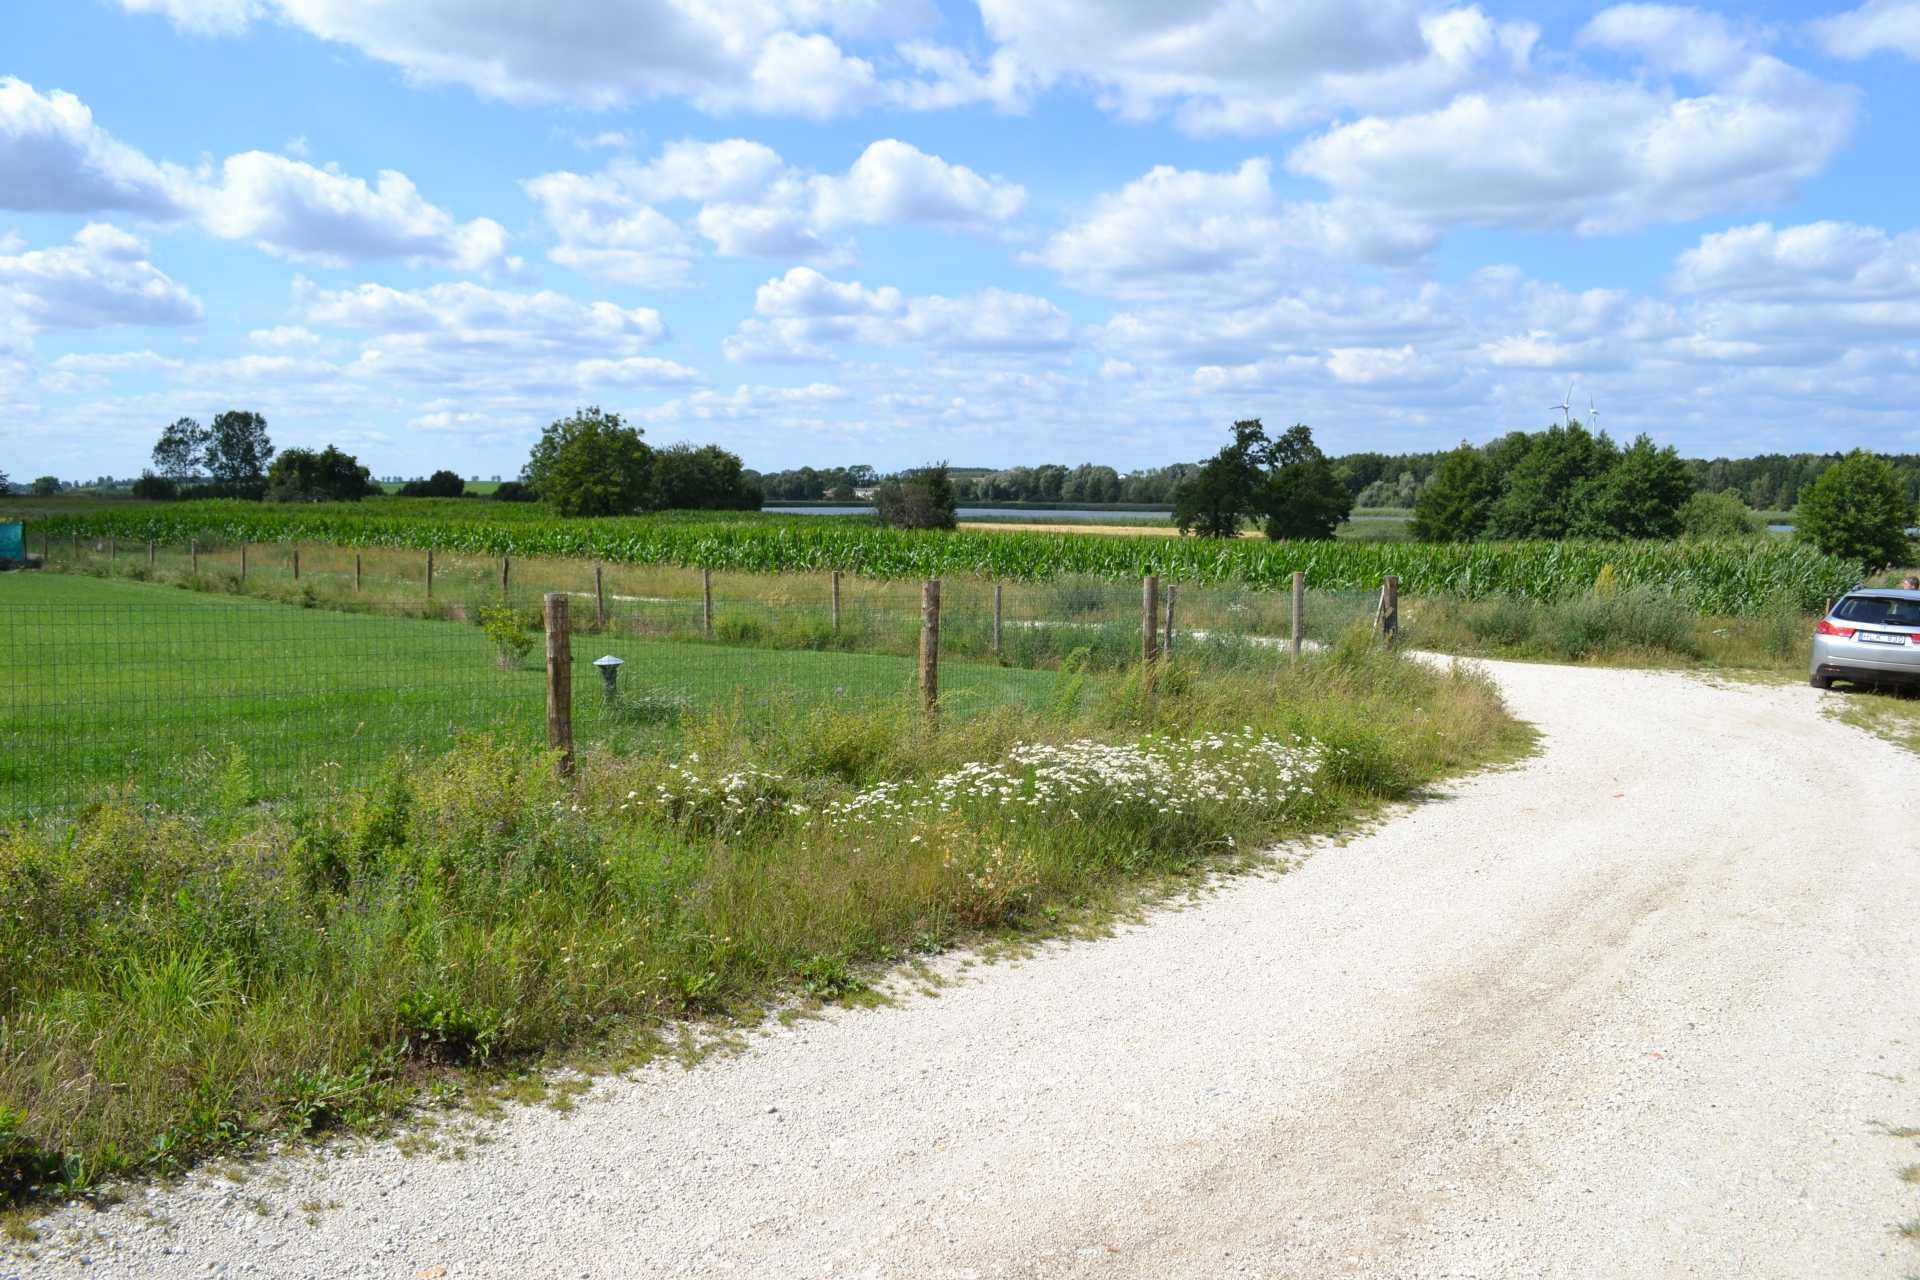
<point>1631,1009</point>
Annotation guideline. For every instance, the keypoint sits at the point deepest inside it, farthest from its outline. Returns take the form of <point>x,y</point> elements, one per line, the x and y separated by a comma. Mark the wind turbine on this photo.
<point>1566,403</point>
<point>1593,416</point>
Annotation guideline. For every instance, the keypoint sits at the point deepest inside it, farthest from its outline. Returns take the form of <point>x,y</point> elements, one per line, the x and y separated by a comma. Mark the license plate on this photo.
<point>1880,637</point>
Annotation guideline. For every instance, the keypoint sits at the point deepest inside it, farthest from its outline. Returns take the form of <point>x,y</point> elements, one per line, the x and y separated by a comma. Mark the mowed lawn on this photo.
<point>105,682</point>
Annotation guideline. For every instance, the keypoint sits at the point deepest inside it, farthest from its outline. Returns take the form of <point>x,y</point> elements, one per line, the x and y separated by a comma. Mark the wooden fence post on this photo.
<point>296,562</point>
<point>930,649</point>
<point>1299,612</point>
<point>1149,620</point>
<point>429,573</point>
<point>836,599</point>
<point>599,600</point>
<point>356,571</point>
<point>706,603</point>
<point>193,549</point>
<point>996,617</point>
<point>503,575</point>
<point>1167,646</point>
<point>150,554</point>
<point>1390,608</point>
<point>243,562</point>
<point>559,681</point>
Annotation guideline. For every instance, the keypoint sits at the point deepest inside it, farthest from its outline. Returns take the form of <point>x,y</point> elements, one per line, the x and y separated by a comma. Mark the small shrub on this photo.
<point>737,628</point>
<point>505,626</point>
<point>24,1167</point>
<point>1506,622</point>
<point>649,705</point>
<point>437,1027</point>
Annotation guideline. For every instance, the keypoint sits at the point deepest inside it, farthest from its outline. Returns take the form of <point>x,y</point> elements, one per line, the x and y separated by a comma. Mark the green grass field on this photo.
<point>104,682</point>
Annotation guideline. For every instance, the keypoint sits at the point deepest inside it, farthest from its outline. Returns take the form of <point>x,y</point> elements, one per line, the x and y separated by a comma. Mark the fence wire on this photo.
<point>263,682</point>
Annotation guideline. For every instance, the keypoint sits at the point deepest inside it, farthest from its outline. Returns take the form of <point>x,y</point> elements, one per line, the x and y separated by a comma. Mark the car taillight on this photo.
<point>1825,628</point>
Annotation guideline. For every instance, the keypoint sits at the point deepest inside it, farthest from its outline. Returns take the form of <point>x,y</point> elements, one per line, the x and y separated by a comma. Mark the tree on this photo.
<point>513,491</point>
<point>1215,500</point>
<point>441,484</point>
<point>1858,509</point>
<point>6,485</point>
<point>155,488</point>
<point>238,451</point>
<point>182,450</point>
<point>1303,496</point>
<point>1538,495</point>
<point>1638,496</point>
<point>591,464</point>
<point>1718,515</point>
<point>45,486</point>
<point>707,478</point>
<point>1453,506</point>
<point>301,475</point>
<point>921,499</point>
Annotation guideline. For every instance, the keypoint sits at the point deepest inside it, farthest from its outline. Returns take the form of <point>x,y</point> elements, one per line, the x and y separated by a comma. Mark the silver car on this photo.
<point>1870,636</point>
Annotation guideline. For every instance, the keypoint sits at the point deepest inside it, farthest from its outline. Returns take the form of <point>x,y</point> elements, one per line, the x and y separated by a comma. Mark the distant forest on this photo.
<point>1769,482</point>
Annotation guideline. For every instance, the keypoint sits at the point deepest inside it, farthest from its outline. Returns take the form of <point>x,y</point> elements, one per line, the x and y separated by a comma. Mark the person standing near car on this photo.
<point>1910,583</point>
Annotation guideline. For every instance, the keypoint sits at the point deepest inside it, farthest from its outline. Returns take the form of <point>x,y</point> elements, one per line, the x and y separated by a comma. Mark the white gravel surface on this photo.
<point>1630,1009</point>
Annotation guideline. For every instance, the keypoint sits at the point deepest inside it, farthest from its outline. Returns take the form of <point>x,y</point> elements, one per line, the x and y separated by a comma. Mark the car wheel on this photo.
<point>1820,682</point>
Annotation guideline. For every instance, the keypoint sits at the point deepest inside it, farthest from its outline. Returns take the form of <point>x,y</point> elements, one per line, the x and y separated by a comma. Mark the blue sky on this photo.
<point>1033,230</point>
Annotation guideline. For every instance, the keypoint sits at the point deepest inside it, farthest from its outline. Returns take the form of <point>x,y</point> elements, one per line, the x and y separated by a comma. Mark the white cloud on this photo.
<point>284,337</point>
<point>1878,26</point>
<point>896,182</point>
<point>115,362</point>
<point>605,234</point>
<point>635,371</point>
<point>1593,156</point>
<point>1244,65</point>
<point>320,215</point>
<point>1175,231</point>
<point>102,278</point>
<point>1816,260</point>
<point>1671,37</point>
<point>753,204</point>
<point>55,159</point>
<point>802,315</point>
<point>769,56</point>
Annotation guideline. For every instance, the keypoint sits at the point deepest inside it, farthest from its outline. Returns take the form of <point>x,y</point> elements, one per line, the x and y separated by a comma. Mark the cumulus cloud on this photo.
<point>1244,65</point>
<point>102,278</point>
<point>1815,260</point>
<point>322,215</point>
<point>1184,230</point>
<point>468,335</point>
<point>55,159</point>
<point>804,315</point>
<point>751,203</point>
<point>1673,38</point>
<point>1593,156</point>
<point>774,56</point>
<point>1878,26</point>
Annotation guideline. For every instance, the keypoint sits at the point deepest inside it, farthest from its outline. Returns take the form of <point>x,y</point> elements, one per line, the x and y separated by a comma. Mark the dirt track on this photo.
<point>1630,1009</point>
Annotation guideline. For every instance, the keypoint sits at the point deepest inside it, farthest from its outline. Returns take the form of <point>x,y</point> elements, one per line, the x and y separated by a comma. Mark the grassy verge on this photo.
<point>174,986</point>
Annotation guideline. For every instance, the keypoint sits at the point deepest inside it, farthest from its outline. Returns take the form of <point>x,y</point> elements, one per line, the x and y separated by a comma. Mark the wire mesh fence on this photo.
<point>306,669</point>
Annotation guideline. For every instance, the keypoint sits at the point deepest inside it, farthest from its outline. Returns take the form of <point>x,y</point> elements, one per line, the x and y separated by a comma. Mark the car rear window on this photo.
<point>1883,611</point>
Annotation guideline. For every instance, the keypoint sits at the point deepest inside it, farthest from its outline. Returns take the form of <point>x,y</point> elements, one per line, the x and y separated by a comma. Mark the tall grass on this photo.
<point>175,985</point>
<point>1732,577</point>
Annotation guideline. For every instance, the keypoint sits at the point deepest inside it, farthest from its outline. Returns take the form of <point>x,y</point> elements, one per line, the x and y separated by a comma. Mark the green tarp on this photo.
<point>12,545</point>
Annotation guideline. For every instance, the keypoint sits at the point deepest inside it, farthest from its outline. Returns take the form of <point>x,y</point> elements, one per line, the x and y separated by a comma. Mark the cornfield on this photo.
<point>1732,577</point>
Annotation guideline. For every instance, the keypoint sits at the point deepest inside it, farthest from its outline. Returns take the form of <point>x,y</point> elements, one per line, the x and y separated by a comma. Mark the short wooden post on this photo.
<point>151,551</point>
<point>559,681</point>
<point>243,562</point>
<point>1167,646</point>
<point>296,562</point>
<point>836,599</point>
<point>1299,612</point>
<point>193,549</point>
<point>996,617</point>
<point>356,571</point>
<point>429,573</point>
<point>503,575</point>
<point>1390,608</point>
<point>1149,620</point>
<point>706,603</point>
<point>599,600</point>
<point>930,649</point>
